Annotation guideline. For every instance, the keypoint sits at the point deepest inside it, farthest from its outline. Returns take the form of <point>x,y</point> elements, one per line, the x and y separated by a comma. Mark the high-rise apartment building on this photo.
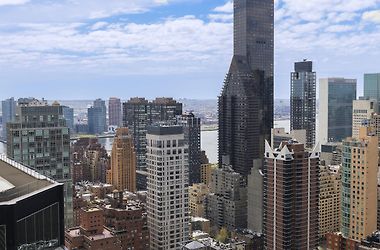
<point>123,161</point>
<point>362,111</point>
<point>329,200</point>
<point>138,113</point>
<point>168,191</point>
<point>68,114</point>
<point>97,117</point>
<point>31,208</point>
<point>192,130</point>
<point>246,102</point>
<point>359,185</point>
<point>8,109</point>
<point>227,201</point>
<point>336,96</point>
<point>290,197</point>
<point>114,112</point>
<point>303,98</point>
<point>39,138</point>
<point>372,86</point>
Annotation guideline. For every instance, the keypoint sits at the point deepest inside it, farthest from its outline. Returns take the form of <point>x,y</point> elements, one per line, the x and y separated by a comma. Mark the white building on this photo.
<point>362,111</point>
<point>168,194</point>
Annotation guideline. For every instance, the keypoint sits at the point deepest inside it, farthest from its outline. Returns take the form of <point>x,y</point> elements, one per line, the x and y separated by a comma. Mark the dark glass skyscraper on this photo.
<point>192,131</point>
<point>9,113</point>
<point>246,101</point>
<point>303,95</point>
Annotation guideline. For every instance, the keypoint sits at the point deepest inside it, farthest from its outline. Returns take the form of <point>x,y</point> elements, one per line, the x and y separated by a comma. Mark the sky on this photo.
<point>85,49</point>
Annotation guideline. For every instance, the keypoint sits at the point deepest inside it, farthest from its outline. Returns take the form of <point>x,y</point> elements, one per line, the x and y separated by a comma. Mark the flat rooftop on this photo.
<point>17,180</point>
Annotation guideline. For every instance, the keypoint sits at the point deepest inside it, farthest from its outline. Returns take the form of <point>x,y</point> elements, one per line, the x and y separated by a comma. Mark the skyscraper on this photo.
<point>39,138</point>
<point>246,101</point>
<point>96,115</point>
<point>372,86</point>
<point>8,108</point>
<point>68,114</point>
<point>123,161</point>
<point>192,131</point>
<point>335,109</point>
<point>290,197</point>
<point>303,96</point>
<point>95,120</point>
<point>359,185</point>
<point>138,113</point>
<point>168,181</point>
<point>114,112</point>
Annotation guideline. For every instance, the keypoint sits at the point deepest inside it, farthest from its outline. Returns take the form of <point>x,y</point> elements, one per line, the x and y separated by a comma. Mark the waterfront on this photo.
<point>209,141</point>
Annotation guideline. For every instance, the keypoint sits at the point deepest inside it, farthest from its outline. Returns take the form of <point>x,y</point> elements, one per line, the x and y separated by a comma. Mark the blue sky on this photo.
<point>84,49</point>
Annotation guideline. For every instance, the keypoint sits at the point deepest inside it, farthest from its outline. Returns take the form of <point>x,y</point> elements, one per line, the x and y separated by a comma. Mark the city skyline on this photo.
<point>195,51</point>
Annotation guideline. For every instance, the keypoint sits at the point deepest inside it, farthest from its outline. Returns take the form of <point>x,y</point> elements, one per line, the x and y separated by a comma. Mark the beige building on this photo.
<point>197,196</point>
<point>279,135</point>
<point>329,199</point>
<point>362,110</point>
<point>206,171</point>
<point>123,161</point>
<point>359,185</point>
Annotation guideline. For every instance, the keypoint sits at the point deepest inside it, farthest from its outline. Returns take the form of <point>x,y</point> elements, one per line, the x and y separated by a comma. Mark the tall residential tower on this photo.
<point>168,187</point>
<point>291,197</point>
<point>303,100</point>
<point>246,101</point>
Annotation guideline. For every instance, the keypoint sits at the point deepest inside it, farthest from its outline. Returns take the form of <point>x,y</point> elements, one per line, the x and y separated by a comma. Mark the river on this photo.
<point>209,141</point>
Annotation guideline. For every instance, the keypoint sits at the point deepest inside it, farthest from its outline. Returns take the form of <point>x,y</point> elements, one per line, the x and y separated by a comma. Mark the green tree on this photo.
<point>222,235</point>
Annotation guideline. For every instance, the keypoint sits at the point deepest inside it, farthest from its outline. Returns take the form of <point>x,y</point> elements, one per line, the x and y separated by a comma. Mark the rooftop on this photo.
<point>17,180</point>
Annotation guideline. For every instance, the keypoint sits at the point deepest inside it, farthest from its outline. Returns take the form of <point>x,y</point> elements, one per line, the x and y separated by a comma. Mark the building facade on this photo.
<point>123,161</point>
<point>68,114</point>
<point>8,109</point>
<point>27,199</point>
<point>192,130</point>
<point>168,191</point>
<point>97,117</point>
<point>290,181</point>
<point>359,185</point>
<point>114,112</point>
<point>138,113</point>
<point>91,234</point>
<point>40,139</point>
<point>197,199</point>
<point>227,200</point>
<point>303,98</point>
<point>362,111</point>
<point>329,200</point>
<point>245,105</point>
<point>372,86</point>
<point>336,96</point>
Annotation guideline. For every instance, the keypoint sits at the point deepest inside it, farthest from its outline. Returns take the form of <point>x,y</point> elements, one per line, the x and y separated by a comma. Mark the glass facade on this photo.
<point>303,100</point>
<point>246,102</point>
<point>40,139</point>
<point>372,86</point>
<point>341,94</point>
<point>39,230</point>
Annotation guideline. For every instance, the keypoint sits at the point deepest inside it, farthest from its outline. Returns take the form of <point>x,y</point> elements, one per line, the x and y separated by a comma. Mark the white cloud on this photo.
<point>226,8</point>
<point>372,16</point>
<point>13,2</point>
